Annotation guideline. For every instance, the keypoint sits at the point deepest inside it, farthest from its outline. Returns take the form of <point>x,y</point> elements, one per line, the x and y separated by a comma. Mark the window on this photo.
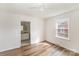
<point>62,28</point>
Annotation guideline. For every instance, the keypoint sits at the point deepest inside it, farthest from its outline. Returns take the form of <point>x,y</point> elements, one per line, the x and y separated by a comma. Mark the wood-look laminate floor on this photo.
<point>40,49</point>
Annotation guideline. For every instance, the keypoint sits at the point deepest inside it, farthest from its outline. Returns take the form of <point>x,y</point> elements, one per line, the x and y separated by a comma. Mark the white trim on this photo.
<point>62,37</point>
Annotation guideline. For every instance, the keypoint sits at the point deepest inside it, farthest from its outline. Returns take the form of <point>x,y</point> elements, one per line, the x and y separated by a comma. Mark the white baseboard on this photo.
<point>2,50</point>
<point>74,50</point>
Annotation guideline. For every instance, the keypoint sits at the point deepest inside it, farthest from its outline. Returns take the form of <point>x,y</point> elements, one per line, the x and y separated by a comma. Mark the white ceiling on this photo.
<point>40,10</point>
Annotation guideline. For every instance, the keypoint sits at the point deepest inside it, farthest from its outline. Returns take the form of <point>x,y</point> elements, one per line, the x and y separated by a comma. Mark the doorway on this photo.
<point>25,33</point>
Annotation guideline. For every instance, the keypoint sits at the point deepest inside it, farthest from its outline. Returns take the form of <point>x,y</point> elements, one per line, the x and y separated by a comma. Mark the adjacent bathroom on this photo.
<point>25,33</point>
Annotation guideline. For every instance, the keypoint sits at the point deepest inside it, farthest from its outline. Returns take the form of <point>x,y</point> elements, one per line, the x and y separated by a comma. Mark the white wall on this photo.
<point>37,28</point>
<point>73,43</point>
<point>10,30</point>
